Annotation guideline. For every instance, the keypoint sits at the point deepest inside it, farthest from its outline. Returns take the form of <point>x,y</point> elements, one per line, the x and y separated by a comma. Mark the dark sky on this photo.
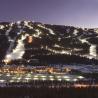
<point>81,13</point>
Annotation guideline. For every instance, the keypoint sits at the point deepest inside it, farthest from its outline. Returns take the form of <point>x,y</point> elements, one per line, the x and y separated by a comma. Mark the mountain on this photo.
<point>27,40</point>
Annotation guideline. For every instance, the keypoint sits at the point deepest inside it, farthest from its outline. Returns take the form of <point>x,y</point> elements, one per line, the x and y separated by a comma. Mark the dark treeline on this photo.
<point>56,59</point>
<point>44,92</point>
<point>68,59</point>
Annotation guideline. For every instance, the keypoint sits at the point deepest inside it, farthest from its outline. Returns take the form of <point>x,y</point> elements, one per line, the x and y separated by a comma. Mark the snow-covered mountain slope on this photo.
<point>26,39</point>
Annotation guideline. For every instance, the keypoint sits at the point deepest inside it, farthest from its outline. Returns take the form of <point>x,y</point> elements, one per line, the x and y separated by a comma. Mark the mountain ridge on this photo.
<point>34,38</point>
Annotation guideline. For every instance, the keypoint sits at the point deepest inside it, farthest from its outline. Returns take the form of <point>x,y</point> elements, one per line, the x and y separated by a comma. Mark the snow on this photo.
<point>50,30</point>
<point>37,34</point>
<point>19,51</point>
<point>75,32</point>
<point>93,51</point>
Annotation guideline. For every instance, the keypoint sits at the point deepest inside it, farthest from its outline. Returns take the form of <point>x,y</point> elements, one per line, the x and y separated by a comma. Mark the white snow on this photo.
<point>38,33</point>
<point>57,46</point>
<point>18,52</point>
<point>92,50</point>
<point>50,30</point>
<point>75,32</point>
<point>26,24</point>
<point>83,40</point>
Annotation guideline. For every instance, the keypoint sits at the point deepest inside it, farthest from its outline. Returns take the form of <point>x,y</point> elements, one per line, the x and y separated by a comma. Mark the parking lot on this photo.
<point>27,77</point>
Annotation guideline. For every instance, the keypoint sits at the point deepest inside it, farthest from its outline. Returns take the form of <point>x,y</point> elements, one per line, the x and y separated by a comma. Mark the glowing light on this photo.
<point>11,80</point>
<point>8,75</point>
<point>2,81</point>
<point>75,32</point>
<point>93,50</point>
<point>56,51</point>
<point>43,76</point>
<point>35,78</point>
<point>58,76</point>
<point>67,79</point>
<point>18,22</point>
<point>27,78</point>
<point>19,78</point>
<point>28,75</point>
<point>80,77</point>
<point>75,79</point>
<point>8,56</point>
<point>51,76</point>
<point>37,34</point>
<point>43,79</point>
<point>59,79</point>
<point>2,27</point>
<point>14,77</point>
<point>26,24</point>
<point>51,79</point>
<point>7,61</point>
<point>50,30</point>
<point>83,40</point>
<point>18,52</point>
<point>30,39</point>
<point>81,85</point>
<point>57,45</point>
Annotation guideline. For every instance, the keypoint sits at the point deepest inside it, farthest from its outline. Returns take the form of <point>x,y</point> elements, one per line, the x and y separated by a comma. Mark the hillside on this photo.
<point>26,40</point>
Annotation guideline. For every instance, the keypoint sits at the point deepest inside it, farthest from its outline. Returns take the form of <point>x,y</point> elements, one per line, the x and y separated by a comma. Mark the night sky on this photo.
<point>81,13</point>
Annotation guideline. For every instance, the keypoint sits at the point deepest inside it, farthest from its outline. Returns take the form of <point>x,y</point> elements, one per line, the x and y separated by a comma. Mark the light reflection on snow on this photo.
<point>19,51</point>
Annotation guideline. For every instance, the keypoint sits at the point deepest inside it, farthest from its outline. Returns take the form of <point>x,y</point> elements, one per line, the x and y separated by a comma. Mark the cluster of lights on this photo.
<point>96,30</point>
<point>93,51</point>
<point>58,46</point>
<point>37,34</point>
<point>2,81</point>
<point>30,39</point>
<point>2,27</point>
<point>50,31</point>
<point>35,78</point>
<point>58,52</point>
<point>11,24</point>
<point>30,77</point>
<point>26,24</point>
<point>75,32</point>
<point>18,52</point>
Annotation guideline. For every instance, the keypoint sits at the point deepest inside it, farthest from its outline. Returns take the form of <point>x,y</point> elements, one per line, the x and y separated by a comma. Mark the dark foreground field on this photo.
<point>46,92</point>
